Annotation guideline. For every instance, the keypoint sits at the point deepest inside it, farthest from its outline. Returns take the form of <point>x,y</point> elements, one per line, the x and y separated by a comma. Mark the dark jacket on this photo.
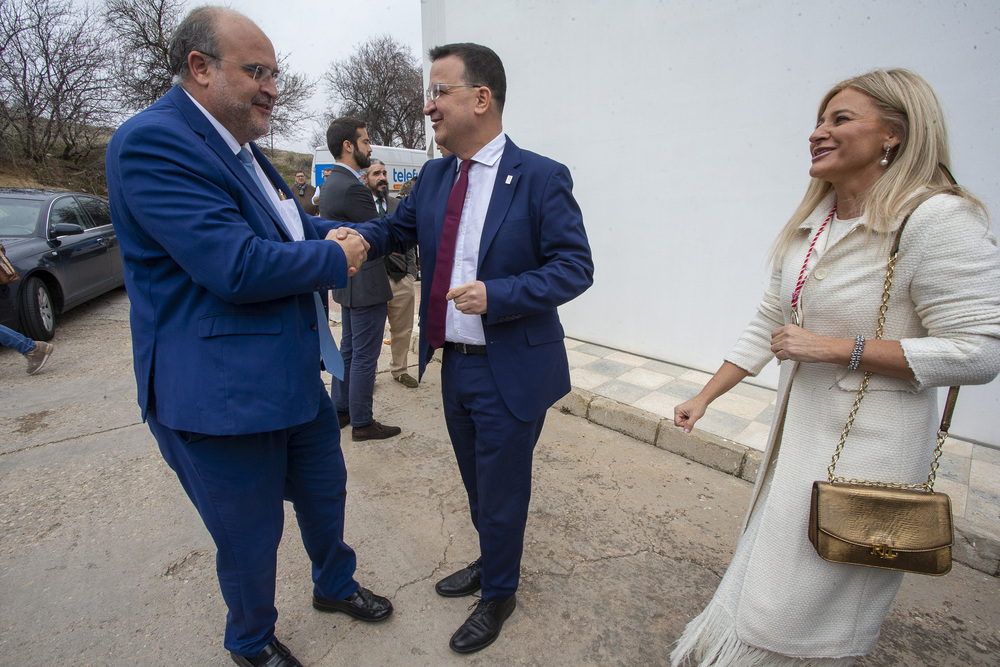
<point>345,199</point>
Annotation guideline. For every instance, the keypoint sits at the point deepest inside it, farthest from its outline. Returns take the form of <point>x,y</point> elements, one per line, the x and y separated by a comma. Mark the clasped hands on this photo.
<point>469,298</point>
<point>354,246</point>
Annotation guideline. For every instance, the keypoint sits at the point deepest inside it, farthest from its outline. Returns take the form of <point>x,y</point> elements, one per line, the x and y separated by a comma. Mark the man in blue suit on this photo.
<point>226,276</point>
<point>502,245</point>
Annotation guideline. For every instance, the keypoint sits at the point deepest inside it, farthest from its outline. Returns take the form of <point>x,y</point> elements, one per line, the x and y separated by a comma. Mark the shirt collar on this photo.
<point>356,174</point>
<point>488,154</point>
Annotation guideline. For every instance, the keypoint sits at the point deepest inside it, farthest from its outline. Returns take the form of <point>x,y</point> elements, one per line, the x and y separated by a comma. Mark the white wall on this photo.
<point>685,127</point>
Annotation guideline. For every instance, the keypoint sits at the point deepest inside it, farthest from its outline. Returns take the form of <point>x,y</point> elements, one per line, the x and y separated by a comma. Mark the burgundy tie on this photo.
<point>438,305</point>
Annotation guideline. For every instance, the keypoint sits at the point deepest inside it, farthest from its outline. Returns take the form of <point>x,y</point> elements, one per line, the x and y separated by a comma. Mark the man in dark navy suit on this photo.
<point>364,300</point>
<point>502,244</point>
<point>226,280</point>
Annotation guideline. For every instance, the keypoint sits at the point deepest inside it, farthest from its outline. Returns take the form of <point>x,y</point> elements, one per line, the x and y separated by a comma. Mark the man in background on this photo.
<point>363,301</point>
<point>315,198</point>
<point>303,192</point>
<point>402,270</point>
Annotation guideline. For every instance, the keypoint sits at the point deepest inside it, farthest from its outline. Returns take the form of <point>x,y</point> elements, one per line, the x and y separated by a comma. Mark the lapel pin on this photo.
<point>509,179</point>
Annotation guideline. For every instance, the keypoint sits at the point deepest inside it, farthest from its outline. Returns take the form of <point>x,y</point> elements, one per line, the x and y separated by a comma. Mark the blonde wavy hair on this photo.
<point>909,108</point>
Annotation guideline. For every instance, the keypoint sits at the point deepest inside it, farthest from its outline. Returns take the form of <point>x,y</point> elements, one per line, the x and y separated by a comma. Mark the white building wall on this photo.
<point>685,127</point>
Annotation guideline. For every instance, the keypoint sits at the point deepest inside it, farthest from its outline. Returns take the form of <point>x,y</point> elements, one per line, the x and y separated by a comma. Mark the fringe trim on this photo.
<point>710,640</point>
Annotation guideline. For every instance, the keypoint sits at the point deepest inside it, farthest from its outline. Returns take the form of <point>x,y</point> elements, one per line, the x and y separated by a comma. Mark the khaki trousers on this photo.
<point>401,322</point>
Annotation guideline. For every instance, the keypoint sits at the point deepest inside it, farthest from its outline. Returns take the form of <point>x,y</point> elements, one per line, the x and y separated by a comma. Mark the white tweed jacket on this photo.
<point>945,311</point>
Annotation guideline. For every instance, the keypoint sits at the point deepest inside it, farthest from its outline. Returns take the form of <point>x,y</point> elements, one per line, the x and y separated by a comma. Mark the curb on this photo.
<point>972,547</point>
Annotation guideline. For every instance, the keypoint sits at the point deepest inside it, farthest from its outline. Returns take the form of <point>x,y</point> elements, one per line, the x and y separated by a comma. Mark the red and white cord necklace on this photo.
<point>802,274</point>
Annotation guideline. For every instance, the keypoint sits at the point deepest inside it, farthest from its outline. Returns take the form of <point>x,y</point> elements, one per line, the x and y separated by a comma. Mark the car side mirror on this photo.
<point>65,229</point>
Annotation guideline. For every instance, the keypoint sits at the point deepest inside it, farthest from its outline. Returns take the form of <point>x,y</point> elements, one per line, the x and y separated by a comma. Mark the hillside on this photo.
<point>88,175</point>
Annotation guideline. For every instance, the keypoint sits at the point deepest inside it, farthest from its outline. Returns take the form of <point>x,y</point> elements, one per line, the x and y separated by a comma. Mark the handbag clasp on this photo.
<point>884,551</point>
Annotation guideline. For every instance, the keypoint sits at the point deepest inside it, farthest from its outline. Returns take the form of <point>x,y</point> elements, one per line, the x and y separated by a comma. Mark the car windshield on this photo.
<point>18,217</point>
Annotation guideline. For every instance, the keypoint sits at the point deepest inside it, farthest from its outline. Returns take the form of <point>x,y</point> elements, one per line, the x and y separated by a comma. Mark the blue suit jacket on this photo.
<point>224,328</point>
<point>533,256</point>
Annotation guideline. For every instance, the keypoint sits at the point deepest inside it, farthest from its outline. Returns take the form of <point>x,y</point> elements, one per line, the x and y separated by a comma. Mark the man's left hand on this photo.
<point>469,298</point>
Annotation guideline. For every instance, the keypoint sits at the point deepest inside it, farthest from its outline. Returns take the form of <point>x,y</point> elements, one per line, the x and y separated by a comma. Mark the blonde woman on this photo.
<point>876,150</point>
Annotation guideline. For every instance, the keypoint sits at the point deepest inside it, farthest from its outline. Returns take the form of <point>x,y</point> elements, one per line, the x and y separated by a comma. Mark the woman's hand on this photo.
<point>688,412</point>
<point>795,343</point>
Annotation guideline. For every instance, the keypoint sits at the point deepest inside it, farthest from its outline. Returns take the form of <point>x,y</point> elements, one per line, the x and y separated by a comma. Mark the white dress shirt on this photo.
<point>286,208</point>
<point>461,327</point>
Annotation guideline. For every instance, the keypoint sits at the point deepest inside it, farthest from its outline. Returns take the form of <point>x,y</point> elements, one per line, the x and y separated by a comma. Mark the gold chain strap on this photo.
<point>942,434</point>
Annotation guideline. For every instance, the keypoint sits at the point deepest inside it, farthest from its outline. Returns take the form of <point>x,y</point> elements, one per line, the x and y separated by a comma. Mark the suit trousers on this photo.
<point>494,452</point>
<point>360,345</point>
<point>401,322</point>
<point>238,485</point>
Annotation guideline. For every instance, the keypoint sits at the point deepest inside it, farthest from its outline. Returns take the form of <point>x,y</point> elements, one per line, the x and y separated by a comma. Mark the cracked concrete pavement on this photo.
<point>105,562</point>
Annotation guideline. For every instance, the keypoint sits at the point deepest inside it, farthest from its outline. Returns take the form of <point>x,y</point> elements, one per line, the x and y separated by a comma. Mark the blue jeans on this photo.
<point>363,329</point>
<point>10,338</point>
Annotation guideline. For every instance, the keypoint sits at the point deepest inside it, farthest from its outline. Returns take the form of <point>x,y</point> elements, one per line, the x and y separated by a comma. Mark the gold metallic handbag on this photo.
<point>906,527</point>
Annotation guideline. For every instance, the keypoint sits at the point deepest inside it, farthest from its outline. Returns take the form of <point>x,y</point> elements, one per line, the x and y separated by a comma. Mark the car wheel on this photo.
<point>38,314</point>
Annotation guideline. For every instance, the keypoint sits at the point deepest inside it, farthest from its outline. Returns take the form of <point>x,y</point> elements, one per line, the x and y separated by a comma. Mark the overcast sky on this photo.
<point>315,33</point>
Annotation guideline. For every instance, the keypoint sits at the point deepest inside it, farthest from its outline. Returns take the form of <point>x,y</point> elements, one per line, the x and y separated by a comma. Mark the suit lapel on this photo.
<point>442,194</point>
<point>503,193</point>
<point>202,126</point>
<point>279,184</point>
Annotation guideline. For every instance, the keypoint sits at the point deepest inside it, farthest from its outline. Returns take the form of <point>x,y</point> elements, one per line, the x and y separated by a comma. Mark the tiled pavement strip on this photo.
<point>636,396</point>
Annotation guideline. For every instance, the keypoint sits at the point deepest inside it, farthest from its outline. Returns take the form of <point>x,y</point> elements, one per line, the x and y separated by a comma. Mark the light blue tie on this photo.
<point>328,347</point>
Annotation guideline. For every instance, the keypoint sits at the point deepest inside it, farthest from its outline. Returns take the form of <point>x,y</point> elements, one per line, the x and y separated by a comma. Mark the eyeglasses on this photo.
<point>435,90</point>
<point>261,74</point>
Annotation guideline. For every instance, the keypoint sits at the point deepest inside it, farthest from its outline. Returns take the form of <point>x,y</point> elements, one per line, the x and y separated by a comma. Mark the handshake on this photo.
<point>354,246</point>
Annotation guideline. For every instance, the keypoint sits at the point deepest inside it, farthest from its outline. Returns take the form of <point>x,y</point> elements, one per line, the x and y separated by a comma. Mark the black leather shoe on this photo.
<point>363,605</point>
<point>344,418</point>
<point>464,582</point>
<point>274,654</point>
<point>483,627</point>
<point>374,431</point>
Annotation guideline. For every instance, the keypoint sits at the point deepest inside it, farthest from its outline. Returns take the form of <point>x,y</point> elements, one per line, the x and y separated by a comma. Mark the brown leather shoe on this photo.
<point>344,418</point>
<point>38,356</point>
<point>374,431</point>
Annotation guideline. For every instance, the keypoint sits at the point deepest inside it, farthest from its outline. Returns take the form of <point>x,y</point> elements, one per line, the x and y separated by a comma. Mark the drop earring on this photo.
<point>884,161</point>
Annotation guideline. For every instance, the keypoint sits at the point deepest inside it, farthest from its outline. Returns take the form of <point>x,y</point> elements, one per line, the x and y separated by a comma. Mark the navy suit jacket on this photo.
<point>224,327</point>
<point>533,257</point>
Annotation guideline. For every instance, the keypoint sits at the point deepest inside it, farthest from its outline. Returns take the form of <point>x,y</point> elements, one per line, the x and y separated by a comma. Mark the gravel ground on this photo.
<point>104,561</point>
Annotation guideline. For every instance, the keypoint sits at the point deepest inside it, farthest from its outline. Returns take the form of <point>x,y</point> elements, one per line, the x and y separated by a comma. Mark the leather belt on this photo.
<point>465,348</point>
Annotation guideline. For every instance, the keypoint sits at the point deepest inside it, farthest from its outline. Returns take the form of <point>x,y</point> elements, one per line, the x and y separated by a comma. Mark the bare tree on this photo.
<point>54,88</point>
<point>142,30</point>
<point>381,83</point>
<point>318,137</point>
<point>291,110</point>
